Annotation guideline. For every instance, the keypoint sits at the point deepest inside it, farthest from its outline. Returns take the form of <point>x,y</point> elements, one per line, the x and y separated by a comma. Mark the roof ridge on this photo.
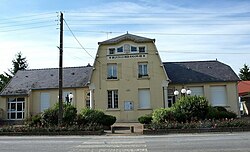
<point>193,61</point>
<point>55,68</point>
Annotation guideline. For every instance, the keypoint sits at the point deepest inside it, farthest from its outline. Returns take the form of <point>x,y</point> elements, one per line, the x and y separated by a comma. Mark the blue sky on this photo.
<point>185,30</point>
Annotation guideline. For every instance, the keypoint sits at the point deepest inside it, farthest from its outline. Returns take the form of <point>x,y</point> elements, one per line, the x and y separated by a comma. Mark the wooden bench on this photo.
<point>113,128</point>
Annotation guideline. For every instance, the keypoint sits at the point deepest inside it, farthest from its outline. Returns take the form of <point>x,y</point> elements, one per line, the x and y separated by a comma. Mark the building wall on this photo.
<point>33,101</point>
<point>128,82</point>
<point>231,93</point>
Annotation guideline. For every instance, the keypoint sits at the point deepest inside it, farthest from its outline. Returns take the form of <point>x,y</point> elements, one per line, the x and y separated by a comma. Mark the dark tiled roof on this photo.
<point>135,38</point>
<point>24,81</point>
<point>199,72</point>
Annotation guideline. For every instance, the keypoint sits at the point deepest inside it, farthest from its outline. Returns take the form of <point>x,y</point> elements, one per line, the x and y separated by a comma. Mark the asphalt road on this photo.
<point>223,142</point>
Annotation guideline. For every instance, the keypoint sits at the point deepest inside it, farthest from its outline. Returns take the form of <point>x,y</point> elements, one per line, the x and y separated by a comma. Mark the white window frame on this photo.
<point>134,47</point>
<point>113,99</point>
<point>145,48</point>
<point>122,49</point>
<point>109,49</point>
<point>142,70</point>
<point>15,101</point>
<point>112,71</point>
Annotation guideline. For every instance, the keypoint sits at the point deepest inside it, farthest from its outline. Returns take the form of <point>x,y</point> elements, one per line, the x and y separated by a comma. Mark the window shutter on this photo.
<point>119,75</point>
<point>218,95</point>
<point>144,98</point>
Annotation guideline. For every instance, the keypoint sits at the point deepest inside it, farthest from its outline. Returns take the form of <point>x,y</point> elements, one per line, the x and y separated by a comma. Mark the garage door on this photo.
<point>218,95</point>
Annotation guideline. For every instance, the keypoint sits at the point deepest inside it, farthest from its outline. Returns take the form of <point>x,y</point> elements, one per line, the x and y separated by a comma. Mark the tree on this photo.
<point>244,73</point>
<point>19,63</point>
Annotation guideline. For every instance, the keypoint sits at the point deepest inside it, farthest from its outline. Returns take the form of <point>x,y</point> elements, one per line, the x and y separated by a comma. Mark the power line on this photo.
<point>77,40</point>
<point>26,28</point>
<point>27,16</point>
<point>162,33</point>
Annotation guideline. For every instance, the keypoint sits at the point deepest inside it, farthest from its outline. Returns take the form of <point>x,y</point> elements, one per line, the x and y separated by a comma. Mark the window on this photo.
<point>120,49</point>
<point>144,98</point>
<point>218,95</point>
<point>16,108</point>
<point>112,99</point>
<point>112,71</point>
<point>142,49</point>
<point>45,101</point>
<point>87,99</point>
<point>111,51</point>
<point>133,49</point>
<point>143,70</point>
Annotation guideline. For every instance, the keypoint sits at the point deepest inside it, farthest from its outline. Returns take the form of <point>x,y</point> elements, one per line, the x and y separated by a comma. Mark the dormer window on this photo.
<point>142,49</point>
<point>120,49</point>
<point>111,50</point>
<point>133,49</point>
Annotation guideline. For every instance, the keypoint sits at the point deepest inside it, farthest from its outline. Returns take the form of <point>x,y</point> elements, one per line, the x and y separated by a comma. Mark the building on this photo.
<point>244,94</point>
<point>32,91</point>
<point>127,80</point>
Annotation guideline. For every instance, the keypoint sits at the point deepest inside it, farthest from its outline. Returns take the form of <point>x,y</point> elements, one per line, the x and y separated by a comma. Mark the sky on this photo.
<point>184,30</point>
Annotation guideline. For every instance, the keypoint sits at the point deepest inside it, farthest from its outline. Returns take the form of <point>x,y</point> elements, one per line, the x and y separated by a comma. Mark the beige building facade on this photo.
<point>129,77</point>
<point>127,80</point>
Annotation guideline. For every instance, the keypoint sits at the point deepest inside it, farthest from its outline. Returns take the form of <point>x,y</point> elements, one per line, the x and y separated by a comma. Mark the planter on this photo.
<point>52,133</point>
<point>193,130</point>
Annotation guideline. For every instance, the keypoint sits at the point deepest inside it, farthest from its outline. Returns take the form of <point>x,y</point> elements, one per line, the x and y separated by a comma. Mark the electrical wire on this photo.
<point>77,39</point>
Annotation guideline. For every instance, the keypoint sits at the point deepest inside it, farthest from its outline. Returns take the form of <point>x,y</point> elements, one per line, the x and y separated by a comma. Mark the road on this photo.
<point>222,142</point>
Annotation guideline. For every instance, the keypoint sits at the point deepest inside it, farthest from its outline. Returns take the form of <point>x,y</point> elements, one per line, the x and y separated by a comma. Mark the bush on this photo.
<point>191,107</point>
<point>92,115</point>
<point>69,114</point>
<point>146,119</point>
<point>163,115</point>
<point>35,120</point>
<point>108,120</point>
<point>50,116</point>
<point>220,113</point>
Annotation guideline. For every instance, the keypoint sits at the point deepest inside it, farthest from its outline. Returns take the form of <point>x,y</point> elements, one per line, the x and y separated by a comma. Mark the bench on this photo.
<point>113,128</point>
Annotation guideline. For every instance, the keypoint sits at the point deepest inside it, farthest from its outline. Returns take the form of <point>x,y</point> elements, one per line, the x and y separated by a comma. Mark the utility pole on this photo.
<point>60,112</point>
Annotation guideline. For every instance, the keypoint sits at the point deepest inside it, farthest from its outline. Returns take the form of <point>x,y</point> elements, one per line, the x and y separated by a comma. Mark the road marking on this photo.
<point>111,145</point>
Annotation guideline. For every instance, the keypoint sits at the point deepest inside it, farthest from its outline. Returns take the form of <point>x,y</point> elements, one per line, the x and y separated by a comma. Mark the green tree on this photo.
<point>244,73</point>
<point>19,63</point>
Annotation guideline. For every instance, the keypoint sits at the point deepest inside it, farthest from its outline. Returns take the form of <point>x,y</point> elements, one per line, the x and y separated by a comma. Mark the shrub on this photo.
<point>50,116</point>
<point>69,114</point>
<point>92,115</point>
<point>35,120</point>
<point>108,120</point>
<point>220,113</point>
<point>146,119</point>
<point>191,107</point>
<point>163,115</point>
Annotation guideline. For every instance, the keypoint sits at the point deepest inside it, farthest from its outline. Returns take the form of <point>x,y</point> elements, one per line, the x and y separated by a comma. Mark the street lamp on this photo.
<point>188,92</point>
<point>183,92</point>
<point>176,92</point>
<point>71,96</point>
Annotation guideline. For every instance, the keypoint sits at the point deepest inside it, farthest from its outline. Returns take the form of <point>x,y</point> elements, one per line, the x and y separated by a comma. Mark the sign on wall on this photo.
<point>131,56</point>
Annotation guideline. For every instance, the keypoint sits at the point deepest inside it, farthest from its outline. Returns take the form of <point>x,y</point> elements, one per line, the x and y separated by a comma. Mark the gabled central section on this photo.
<point>128,77</point>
